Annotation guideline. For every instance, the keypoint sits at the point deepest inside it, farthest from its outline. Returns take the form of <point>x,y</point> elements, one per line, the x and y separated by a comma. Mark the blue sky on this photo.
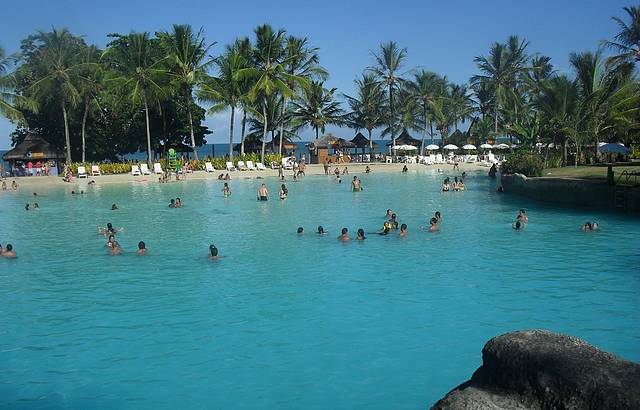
<point>440,36</point>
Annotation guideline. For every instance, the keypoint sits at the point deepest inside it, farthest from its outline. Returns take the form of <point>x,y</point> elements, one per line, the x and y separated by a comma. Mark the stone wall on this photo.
<point>570,191</point>
<point>537,369</point>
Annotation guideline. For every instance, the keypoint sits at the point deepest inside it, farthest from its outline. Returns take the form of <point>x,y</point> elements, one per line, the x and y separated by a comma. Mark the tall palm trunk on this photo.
<point>146,115</point>
<point>264,130</point>
<point>66,133</point>
<point>284,100</point>
<point>316,132</point>
<point>424,132</point>
<point>431,131</point>
<point>495,119</point>
<point>233,112</point>
<point>84,126</point>
<point>370,145</point>
<point>244,124</point>
<point>193,137</point>
<point>392,120</point>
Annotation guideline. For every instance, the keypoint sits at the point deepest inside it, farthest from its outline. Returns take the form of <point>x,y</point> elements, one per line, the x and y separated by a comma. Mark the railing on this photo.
<point>626,176</point>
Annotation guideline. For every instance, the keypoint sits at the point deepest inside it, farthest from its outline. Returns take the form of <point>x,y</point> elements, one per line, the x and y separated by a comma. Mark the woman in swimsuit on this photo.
<point>226,191</point>
<point>284,192</point>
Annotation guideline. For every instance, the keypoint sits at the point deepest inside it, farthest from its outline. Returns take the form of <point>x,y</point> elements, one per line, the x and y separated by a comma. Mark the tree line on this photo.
<point>147,92</point>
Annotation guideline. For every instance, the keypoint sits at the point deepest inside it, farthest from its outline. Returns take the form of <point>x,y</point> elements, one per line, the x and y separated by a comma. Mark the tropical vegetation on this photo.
<point>148,92</point>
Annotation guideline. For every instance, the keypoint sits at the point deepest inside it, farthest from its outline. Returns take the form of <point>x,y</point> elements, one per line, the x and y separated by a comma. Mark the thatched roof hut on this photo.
<point>405,139</point>
<point>33,147</point>
<point>360,141</point>
<point>330,141</point>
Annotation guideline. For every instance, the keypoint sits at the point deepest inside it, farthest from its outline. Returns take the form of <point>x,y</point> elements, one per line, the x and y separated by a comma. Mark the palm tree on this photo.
<point>244,47</point>
<point>269,73</point>
<point>188,54</point>
<point>426,88</point>
<point>389,60</point>
<point>90,86</point>
<point>57,74</point>
<point>225,90</point>
<point>627,41</point>
<point>316,108</point>
<point>11,102</point>
<point>302,63</point>
<point>500,70</point>
<point>137,72</point>
<point>368,108</point>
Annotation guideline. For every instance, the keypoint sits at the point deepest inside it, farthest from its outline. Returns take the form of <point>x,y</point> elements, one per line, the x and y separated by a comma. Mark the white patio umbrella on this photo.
<point>450,146</point>
<point>502,146</point>
<point>615,148</point>
<point>486,146</point>
<point>432,147</point>
<point>469,147</point>
<point>404,147</point>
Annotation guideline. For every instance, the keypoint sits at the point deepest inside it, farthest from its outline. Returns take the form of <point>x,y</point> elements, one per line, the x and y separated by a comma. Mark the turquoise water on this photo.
<point>284,321</point>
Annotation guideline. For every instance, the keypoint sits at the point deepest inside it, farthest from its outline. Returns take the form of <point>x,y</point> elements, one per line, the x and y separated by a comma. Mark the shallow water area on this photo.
<point>290,321</point>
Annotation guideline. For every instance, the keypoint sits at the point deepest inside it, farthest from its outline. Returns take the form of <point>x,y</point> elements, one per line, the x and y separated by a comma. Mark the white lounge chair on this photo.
<point>242,166</point>
<point>135,171</point>
<point>208,167</point>
<point>95,171</point>
<point>250,166</point>
<point>439,159</point>
<point>286,163</point>
<point>157,168</point>
<point>82,172</point>
<point>261,166</point>
<point>144,169</point>
<point>230,166</point>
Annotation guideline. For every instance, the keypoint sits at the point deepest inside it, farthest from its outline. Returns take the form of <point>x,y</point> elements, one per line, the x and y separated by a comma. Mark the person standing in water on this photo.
<point>360,235</point>
<point>263,193</point>
<point>344,235</point>
<point>213,252</point>
<point>142,248</point>
<point>284,192</point>
<point>356,185</point>
<point>403,230</point>
<point>226,191</point>
<point>8,252</point>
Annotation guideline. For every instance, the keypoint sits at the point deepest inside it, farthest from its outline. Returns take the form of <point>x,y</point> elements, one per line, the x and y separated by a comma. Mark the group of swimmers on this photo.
<point>457,185</point>
<point>175,203</point>
<point>14,185</point>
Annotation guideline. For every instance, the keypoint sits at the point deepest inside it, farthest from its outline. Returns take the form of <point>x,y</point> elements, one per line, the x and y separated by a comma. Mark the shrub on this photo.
<point>523,162</point>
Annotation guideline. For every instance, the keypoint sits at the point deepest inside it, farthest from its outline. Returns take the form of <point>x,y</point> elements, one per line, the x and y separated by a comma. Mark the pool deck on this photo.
<point>315,169</point>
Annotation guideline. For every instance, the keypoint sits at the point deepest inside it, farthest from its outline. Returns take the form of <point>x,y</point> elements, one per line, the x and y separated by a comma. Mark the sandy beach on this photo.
<point>315,169</point>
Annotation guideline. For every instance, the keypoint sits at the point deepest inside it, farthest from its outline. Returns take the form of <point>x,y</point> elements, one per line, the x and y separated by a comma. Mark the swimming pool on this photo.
<point>288,321</point>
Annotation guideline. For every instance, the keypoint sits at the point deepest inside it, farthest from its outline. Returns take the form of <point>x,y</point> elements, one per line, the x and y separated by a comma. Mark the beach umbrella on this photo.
<point>469,147</point>
<point>614,148</point>
<point>404,147</point>
<point>432,147</point>
<point>502,146</point>
<point>486,146</point>
<point>451,147</point>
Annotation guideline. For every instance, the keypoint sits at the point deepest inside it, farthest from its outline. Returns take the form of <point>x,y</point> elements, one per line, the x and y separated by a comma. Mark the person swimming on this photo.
<point>360,235</point>
<point>386,228</point>
<point>405,169</point>
<point>393,222</point>
<point>517,225</point>
<point>263,193</point>
<point>433,225</point>
<point>492,171</point>
<point>590,226</point>
<point>213,251</point>
<point>36,206</point>
<point>172,203</point>
<point>142,248</point>
<point>500,190</point>
<point>111,242</point>
<point>321,230</point>
<point>226,191</point>
<point>356,185</point>
<point>389,214</point>
<point>178,203</point>
<point>445,185</point>
<point>8,252</point>
<point>403,230</point>
<point>284,192</point>
<point>300,230</point>
<point>367,170</point>
<point>438,216</point>
<point>114,207</point>
<point>522,217</point>
<point>26,207</point>
<point>344,235</point>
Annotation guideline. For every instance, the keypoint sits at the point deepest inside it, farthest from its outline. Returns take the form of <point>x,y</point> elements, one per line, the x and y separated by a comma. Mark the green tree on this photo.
<point>426,87</point>
<point>188,55</point>
<point>389,60</point>
<point>627,41</point>
<point>137,73</point>
<point>56,66</point>
<point>368,108</point>
<point>10,101</point>
<point>90,86</point>
<point>317,108</point>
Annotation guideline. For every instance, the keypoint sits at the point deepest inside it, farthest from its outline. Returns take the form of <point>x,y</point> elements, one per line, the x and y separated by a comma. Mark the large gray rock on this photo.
<point>537,369</point>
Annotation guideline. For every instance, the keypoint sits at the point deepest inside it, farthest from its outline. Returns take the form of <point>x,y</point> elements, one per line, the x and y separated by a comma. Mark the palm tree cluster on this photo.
<point>143,92</point>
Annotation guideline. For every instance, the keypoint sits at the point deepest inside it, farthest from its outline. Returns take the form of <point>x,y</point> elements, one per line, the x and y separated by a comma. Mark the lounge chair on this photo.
<point>439,159</point>
<point>144,169</point>
<point>261,166</point>
<point>95,171</point>
<point>135,171</point>
<point>230,166</point>
<point>286,163</point>
<point>242,166</point>
<point>157,168</point>
<point>208,167</point>
<point>250,166</point>
<point>82,172</point>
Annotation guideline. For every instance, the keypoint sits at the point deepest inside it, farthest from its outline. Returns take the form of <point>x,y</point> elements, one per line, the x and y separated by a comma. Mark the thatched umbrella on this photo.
<point>33,147</point>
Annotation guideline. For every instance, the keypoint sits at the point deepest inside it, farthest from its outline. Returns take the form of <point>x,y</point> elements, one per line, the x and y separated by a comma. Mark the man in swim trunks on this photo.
<point>355,184</point>
<point>263,193</point>
<point>344,235</point>
<point>326,166</point>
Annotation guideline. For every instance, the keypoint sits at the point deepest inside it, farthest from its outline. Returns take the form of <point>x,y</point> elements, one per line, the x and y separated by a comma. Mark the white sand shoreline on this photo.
<point>315,169</point>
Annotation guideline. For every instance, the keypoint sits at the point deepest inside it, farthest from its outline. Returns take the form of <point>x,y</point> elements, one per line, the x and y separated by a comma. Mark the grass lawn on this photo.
<point>590,172</point>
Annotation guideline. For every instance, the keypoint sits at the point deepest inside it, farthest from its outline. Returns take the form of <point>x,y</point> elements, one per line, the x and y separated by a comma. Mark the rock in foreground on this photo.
<point>537,369</point>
